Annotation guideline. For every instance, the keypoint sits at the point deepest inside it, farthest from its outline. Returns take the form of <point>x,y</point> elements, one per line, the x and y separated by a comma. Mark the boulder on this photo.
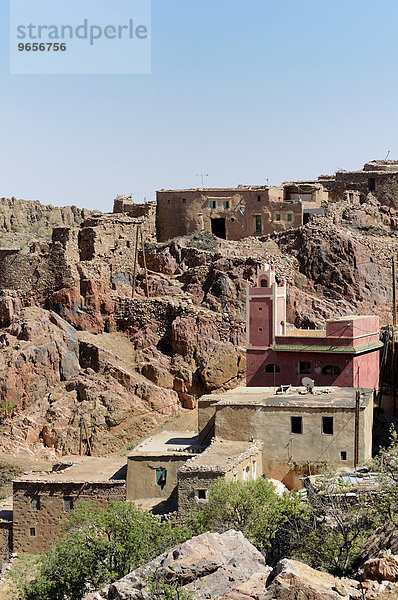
<point>383,568</point>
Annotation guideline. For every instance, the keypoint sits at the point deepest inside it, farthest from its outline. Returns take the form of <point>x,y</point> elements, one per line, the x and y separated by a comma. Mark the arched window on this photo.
<point>271,368</point>
<point>331,370</point>
<point>264,282</point>
<point>282,328</point>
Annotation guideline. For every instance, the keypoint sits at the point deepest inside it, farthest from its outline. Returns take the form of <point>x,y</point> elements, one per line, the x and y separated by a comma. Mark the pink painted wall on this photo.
<point>260,322</point>
<point>288,362</point>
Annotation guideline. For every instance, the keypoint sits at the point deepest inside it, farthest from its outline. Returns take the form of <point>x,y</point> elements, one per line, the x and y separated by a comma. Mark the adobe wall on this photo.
<point>186,211</point>
<point>272,425</point>
<point>141,475</point>
<point>46,522</point>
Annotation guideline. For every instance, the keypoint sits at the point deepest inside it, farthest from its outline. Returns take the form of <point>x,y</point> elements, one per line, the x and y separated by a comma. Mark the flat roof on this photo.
<point>224,189</point>
<point>324,397</point>
<point>168,442</point>
<point>81,469</point>
<point>221,455</point>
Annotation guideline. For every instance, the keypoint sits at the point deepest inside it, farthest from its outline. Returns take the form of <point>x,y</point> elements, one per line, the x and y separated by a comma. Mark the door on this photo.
<point>218,228</point>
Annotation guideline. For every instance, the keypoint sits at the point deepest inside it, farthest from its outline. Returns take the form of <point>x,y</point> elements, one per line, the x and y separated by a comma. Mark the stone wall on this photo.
<point>5,540</point>
<point>34,530</point>
<point>146,212</point>
<point>141,475</point>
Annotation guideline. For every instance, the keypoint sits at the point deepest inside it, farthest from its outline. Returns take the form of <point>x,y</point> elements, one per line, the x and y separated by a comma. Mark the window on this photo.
<point>258,227</point>
<point>296,424</point>
<point>331,370</point>
<point>226,203</point>
<point>68,504</point>
<point>278,217</point>
<point>213,203</point>
<point>304,368</point>
<point>289,217</point>
<point>32,532</point>
<point>260,308</point>
<point>343,455</point>
<point>184,200</point>
<point>35,503</point>
<point>202,494</point>
<point>168,201</point>
<point>260,329</point>
<point>232,219</point>
<point>161,477</point>
<point>371,184</point>
<point>264,282</point>
<point>327,425</point>
<point>258,198</point>
<point>271,368</point>
<point>282,328</point>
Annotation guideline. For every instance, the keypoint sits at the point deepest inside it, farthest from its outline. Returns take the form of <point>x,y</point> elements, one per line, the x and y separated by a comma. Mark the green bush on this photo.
<point>101,546</point>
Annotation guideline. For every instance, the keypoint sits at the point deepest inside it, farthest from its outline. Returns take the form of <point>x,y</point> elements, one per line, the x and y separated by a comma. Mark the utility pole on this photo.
<point>356,433</point>
<point>202,176</point>
<point>394,325</point>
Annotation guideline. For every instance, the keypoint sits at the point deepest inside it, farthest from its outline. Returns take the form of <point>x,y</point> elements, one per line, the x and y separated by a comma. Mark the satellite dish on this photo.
<point>308,383</point>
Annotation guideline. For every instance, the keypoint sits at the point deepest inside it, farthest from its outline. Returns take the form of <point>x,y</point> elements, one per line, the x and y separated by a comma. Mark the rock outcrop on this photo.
<point>227,567</point>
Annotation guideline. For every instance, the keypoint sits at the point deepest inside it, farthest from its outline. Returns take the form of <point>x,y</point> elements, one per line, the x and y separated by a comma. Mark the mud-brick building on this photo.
<point>42,501</point>
<point>299,430</point>
<point>229,459</point>
<point>152,469</point>
<point>378,177</point>
<point>235,213</point>
<point>345,354</point>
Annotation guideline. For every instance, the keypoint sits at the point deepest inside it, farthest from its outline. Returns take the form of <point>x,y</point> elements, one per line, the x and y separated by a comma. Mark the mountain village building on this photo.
<point>345,354</point>
<point>235,213</point>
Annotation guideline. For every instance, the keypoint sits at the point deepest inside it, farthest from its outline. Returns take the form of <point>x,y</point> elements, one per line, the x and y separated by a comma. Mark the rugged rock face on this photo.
<point>186,339</point>
<point>227,567</point>
<point>23,220</point>
<point>384,539</point>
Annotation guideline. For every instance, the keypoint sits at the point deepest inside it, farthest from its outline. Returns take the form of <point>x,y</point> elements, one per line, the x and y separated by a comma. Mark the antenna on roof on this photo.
<point>388,154</point>
<point>202,176</point>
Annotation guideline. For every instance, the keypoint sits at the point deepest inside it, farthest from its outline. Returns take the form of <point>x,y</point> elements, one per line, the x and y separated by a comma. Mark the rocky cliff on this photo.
<point>77,345</point>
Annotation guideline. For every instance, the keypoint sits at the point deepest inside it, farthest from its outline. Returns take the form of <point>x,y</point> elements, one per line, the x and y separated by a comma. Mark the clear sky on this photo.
<point>244,90</point>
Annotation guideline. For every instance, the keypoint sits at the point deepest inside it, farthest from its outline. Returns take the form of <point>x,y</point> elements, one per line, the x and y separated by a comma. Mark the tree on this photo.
<point>386,465</point>
<point>269,521</point>
<point>101,546</point>
<point>340,523</point>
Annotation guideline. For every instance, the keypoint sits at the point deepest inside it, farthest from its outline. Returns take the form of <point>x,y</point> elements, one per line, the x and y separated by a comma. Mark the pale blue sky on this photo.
<point>243,90</point>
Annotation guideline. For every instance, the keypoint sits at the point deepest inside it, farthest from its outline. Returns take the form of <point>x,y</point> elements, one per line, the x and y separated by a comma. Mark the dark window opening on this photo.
<point>68,504</point>
<point>168,201</point>
<point>35,503</point>
<point>343,455</point>
<point>213,203</point>
<point>327,425</point>
<point>184,200</point>
<point>305,368</point>
<point>264,283</point>
<point>371,184</point>
<point>218,228</point>
<point>233,219</point>
<point>271,368</point>
<point>258,224</point>
<point>226,204</point>
<point>278,217</point>
<point>258,198</point>
<point>260,308</point>
<point>202,494</point>
<point>32,532</point>
<point>161,477</point>
<point>331,370</point>
<point>290,217</point>
<point>296,424</point>
<point>260,328</point>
